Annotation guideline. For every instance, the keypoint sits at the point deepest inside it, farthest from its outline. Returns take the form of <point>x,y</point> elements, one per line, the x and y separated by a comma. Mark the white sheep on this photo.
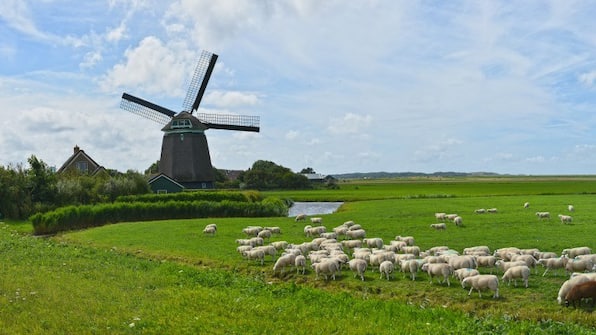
<point>274,230</point>
<point>480,211</point>
<point>461,262</point>
<point>458,221</point>
<point>283,261</point>
<point>326,268</point>
<point>386,268</point>
<point>351,244</point>
<point>507,252</point>
<point>438,226</point>
<point>317,220</point>
<point>568,284</point>
<point>355,226</point>
<point>358,266</point>
<point>264,234</point>
<point>492,210</point>
<point>526,205</point>
<point>268,250</point>
<point>438,270</point>
<point>574,252</point>
<point>210,231</point>
<point>257,254</point>
<point>543,215</point>
<point>356,234</point>
<point>528,259</point>
<point>300,217</point>
<point>476,249</point>
<point>440,216</point>
<point>553,263</point>
<point>373,242</point>
<point>515,272</point>
<point>579,265</point>
<point>411,249</point>
<point>408,239</point>
<point>504,266</point>
<point>462,273</point>
<point>450,217</point>
<point>410,266</point>
<point>570,208</point>
<point>280,245</point>
<point>300,263</point>
<point>482,282</point>
<point>565,218</point>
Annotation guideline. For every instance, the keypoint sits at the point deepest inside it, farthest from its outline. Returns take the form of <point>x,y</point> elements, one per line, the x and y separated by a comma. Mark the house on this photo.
<point>161,183</point>
<point>317,178</point>
<point>81,162</point>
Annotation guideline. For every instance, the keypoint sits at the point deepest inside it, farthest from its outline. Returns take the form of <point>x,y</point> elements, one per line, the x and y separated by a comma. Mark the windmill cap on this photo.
<point>184,120</point>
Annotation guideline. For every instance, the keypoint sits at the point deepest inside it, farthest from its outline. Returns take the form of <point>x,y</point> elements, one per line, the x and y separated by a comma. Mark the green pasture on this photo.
<point>167,277</point>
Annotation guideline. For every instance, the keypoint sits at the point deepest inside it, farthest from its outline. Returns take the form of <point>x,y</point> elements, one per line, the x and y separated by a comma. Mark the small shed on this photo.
<point>161,183</point>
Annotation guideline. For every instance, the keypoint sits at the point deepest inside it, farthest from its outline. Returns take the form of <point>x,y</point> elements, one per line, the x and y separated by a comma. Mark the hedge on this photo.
<point>79,217</point>
<point>246,196</point>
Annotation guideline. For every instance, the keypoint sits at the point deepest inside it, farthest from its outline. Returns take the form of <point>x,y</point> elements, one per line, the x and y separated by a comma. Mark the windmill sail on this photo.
<point>199,81</point>
<point>230,122</point>
<point>146,109</point>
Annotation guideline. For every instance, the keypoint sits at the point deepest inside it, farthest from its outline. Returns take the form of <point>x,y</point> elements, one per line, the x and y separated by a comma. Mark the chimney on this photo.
<point>76,149</point>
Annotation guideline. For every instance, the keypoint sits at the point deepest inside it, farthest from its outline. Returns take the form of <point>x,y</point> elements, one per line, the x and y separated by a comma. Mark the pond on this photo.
<point>313,208</point>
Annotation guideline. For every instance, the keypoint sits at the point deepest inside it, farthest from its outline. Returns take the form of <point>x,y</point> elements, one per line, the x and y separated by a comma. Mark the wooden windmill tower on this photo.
<point>184,150</point>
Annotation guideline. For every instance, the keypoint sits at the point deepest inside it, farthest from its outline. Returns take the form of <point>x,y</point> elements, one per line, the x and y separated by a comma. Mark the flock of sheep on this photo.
<point>347,247</point>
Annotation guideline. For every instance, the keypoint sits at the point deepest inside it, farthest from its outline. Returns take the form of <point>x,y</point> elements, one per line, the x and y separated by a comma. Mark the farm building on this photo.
<point>80,161</point>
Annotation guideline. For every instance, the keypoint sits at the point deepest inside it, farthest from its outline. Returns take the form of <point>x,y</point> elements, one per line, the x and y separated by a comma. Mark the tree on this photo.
<point>266,175</point>
<point>308,170</point>
<point>41,182</point>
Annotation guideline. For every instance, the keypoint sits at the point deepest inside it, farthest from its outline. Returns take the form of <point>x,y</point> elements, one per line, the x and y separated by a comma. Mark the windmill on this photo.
<point>184,150</point>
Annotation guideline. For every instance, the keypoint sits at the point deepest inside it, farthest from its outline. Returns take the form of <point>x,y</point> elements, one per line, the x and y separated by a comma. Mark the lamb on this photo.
<point>283,261</point>
<point>256,254</point>
<point>574,252</point>
<point>438,226</point>
<point>386,268</point>
<point>458,221</point>
<point>543,215</point>
<point>356,234</point>
<point>462,273</point>
<point>482,282</point>
<point>317,220</point>
<point>581,291</point>
<point>358,266</point>
<point>408,239</point>
<point>441,216</point>
<point>579,265</point>
<point>565,218</point>
<point>410,266</point>
<point>438,269</point>
<point>375,242</point>
<point>526,205</point>
<point>300,263</point>
<point>300,217</point>
<point>570,208</point>
<point>553,263</point>
<point>327,268</point>
<point>515,272</point>
<point>567,285</point>
<point>210,231</point>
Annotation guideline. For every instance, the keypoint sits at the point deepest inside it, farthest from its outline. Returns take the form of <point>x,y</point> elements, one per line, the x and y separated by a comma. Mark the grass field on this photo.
<point>166,277</point>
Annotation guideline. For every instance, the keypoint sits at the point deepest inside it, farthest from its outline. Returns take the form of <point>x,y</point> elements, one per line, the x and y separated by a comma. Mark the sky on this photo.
<point>340,86</point>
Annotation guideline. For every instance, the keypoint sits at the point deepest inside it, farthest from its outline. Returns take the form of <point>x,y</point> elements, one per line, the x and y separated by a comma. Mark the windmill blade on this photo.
<point>199,81</point>
<point>146,109</point>
<point>230,122</point>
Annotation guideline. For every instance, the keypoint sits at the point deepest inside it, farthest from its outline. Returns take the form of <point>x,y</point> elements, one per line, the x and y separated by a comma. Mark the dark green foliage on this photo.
<point>194,196</point>
<point>266,175</point>
<point>78,217</point>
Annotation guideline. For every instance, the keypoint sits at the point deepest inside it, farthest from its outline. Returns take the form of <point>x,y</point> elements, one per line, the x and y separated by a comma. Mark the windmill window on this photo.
<point>181,124</point>
<point>82,166</point>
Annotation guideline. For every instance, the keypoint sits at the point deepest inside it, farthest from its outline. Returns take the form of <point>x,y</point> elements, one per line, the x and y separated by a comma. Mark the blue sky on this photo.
<point>340,86</point>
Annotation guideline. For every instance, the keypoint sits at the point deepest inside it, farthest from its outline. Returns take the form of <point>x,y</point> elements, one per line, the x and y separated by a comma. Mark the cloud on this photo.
<point>231,99</point>
<point>588,78</point>
<point>292,134</point>
<point>350,123</point>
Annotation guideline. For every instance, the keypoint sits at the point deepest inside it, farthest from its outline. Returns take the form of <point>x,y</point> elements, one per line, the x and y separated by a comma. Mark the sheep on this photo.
<point>581,291</point>
<point>315,231</point>
<point>355,227</point>
<point>209,231</point>
<point>579,265</point>
<point>351,244</point>
<point>356,234</point>
<point>553,263</point>
<point>492,210</point>
<point>283,261</point>
<point>574,252</point>
<point>257,254</point>
<point>515,272</point>
<point>241,249</point>
<point>480,211</point>
<point>504,266</point>
<point>317,220</point>
<point>565,218</point>
<point>410,266</point>
<point>436,270</point>
<point>450,217</point>
<point>256,241</point>
<point>375,260</point>
<point>462,273</point>
<point>458,221</point>
<point>440,216</point>
<point>570,208</point>
<point>567,285</point>
<point>545,254</point>
<point>506,253</point>
<point>526,205</point>
<point>475,249</point>
<point>279,245</point>
<point>327,268</point>
<point>274,230</point>
<point>438,226</point>
<point>300,263</point>
<point>437,249</point>
<point>386,268</point>
<point>543,215</point>
<point>358,266</point>
<point>459,262</point>
<point>374,242</point>
<point>264,234</point>
<point>408,239</point>
<point>245,241</point>
<point>414,249</point>
<point>300,217</point>
<point>481,282</point>
<point>529,259</point>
